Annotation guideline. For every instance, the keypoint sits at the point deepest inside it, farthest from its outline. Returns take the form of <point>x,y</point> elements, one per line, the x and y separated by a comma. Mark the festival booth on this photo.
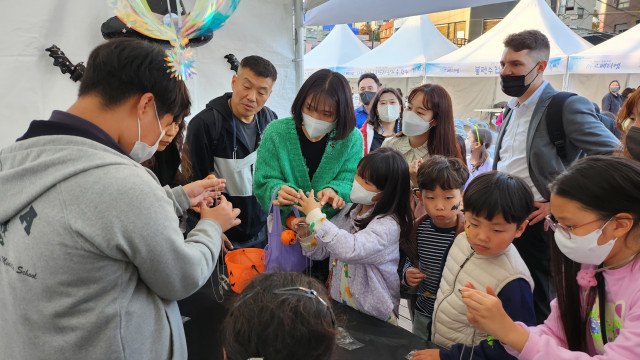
<point>591,71</point>
<point>471,74</point>
<point>400,61</point>
<point>33,87</point>
<point>339,47</point>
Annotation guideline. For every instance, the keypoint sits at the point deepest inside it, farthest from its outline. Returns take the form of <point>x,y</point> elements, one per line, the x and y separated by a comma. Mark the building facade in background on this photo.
<point>617,16</point>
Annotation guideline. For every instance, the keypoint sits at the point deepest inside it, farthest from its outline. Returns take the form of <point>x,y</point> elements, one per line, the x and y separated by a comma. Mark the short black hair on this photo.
<point>260,66</point>
<point>124,67</point>
<point>267,324</point>
<point>371,76</point>
<point>533,40</point>
<point>494,192</point>
<point>447,173</point>
<point>333,87</point>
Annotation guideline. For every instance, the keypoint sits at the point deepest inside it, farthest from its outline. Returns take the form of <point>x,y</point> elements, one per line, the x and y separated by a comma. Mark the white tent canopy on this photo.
<point>348,11</point>
<point>618,55</point>
<point>471,74</point>
<point>481,57</point>
<point>339,47</point>
<point>33,87</point>
<point>404,54</point>
<point>618,58</point>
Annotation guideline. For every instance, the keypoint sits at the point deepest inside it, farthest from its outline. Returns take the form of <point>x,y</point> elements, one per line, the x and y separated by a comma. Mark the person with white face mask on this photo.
<point>362,240</point>
<point>83,223</point>
<point>317,148</point>
<point>595,223</point>
<point>385,119</point>
<point>427,129</point>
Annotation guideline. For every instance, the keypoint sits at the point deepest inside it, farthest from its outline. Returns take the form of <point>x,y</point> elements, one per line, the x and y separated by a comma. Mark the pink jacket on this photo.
<point>547,341</point>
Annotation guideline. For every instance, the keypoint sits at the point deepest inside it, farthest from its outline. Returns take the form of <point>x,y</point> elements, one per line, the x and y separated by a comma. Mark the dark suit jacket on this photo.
<point>585,135</point>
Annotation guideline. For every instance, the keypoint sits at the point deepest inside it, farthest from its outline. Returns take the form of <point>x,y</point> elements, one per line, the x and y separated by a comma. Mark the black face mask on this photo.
<point>632,141</point>
<point>513,85</point>
<point>367,96</point>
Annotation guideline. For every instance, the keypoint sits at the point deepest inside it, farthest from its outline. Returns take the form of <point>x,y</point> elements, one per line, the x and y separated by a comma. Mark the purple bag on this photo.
<point>277,255</point>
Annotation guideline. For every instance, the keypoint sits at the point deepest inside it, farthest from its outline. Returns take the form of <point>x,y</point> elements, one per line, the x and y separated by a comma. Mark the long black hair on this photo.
<point>387,169</point>
<point>607,186</point>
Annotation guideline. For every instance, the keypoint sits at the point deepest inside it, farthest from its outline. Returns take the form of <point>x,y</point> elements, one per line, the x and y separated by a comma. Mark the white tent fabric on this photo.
<point>618,55</point>
<point>618,58</point>
<point>404,54</point>
<point>33,87</point>
<point>338,48</point>
<point>348,11</point>
<point>471,74</point>
<point>481,57</point>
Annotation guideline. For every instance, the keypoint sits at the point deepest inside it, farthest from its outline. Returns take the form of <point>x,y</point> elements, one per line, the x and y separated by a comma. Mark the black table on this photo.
<point>381,340</point>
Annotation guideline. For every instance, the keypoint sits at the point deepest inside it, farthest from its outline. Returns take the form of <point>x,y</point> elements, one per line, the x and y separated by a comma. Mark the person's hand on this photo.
<point>286,196</point>
<point>485,313</point>
<point>224,214</point>
<point>426,354</point>
<point>307,203</point>
<point>226,244</point>
<point>413,170</point>
<point>329,196</point>
<point>414,276</point>
<point>484,310</point>
<point>204,190</point>
<point>544,209</point>
<point>301,228</point>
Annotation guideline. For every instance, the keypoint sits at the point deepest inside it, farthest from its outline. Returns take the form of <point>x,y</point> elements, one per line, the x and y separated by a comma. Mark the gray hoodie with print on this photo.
<point>92,259</point>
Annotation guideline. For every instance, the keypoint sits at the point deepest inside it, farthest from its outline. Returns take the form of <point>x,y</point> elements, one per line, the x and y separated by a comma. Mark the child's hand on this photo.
<point>301,228</point>
<point>414,276</point>
<point>329,196</point>
<point>307,204</point>
<point>426,354</point>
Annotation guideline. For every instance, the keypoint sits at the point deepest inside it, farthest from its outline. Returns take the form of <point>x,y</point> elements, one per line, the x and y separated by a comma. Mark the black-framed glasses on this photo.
<point>566,230</point>
<point>310,293</point>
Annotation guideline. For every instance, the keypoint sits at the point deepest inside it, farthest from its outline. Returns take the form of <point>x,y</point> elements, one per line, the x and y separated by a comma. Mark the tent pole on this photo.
<point>298,23</point>
<point>565,78</point>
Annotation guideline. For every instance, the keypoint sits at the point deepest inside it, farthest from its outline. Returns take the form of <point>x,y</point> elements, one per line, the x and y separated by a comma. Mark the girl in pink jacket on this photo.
<point>595,208</point>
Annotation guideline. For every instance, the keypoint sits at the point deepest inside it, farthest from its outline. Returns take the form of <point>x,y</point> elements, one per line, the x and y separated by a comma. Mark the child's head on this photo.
<point>386,172</point>
<point>441,181</point>
<point>496,207</point>
<point>280,316</point>
<point>479,140</point>
<point>594,193</point>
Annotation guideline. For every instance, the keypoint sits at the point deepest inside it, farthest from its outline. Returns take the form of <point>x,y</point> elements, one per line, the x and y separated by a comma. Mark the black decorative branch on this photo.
<point>231,59</point>
<point>66,67</point>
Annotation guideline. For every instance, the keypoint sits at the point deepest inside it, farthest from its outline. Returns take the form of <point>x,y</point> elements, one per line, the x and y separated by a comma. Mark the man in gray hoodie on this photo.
<point>92,259</point>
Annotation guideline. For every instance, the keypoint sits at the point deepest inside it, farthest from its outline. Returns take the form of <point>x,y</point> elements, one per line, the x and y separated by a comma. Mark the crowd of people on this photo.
<point>112,215</point>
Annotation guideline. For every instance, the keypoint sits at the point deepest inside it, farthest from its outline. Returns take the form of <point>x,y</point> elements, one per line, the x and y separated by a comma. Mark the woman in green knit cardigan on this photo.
<point>317,148</point>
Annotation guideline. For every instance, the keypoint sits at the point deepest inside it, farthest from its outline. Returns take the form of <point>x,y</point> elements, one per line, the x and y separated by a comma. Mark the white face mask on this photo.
<point>360,195</point>
<point>142,151</point>
<point>584,249</point>
<point>389,113</point>
<point>414,125</point>
<point>315,127</point>
<point>467,145</point>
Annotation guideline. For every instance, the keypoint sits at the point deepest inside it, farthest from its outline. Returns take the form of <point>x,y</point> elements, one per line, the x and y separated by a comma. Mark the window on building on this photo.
<point>488,24</point>
<point>619,28</point>
<point>571,4</point>
<point>622,4</point>
<point>455,32</point>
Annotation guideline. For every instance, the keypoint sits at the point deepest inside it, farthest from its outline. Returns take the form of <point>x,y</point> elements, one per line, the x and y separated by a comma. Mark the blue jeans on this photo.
<point>421,325</point>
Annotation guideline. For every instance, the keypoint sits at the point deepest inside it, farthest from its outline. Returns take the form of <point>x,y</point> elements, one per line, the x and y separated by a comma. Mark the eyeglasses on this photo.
<point>310,293</point>
<point>566,230</point>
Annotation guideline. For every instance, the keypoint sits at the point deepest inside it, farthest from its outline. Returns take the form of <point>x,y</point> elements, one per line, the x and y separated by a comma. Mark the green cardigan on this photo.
<point>280,162</point>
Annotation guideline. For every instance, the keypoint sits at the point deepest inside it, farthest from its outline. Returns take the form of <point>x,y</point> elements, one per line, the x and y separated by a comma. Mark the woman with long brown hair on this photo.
<point>427,128</point>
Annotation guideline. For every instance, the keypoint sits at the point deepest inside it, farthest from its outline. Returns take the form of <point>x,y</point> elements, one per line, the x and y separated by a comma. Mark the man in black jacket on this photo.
<point>223,139</point>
